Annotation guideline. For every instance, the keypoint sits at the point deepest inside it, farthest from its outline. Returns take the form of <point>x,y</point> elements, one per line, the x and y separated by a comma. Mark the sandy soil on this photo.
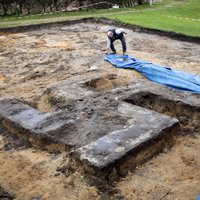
<point>29,61</point>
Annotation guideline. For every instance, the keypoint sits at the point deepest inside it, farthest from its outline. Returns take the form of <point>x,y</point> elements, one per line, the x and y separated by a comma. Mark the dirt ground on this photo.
<point>29,61</point>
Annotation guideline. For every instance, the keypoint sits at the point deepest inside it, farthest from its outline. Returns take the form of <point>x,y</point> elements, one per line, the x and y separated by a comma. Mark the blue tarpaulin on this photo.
<point>159,74</point>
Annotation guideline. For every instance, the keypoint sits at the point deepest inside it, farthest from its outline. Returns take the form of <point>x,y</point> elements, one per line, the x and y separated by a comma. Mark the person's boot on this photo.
<point>114,52</point>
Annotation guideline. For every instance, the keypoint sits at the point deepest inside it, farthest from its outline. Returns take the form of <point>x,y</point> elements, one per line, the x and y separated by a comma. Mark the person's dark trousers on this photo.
<point>112,46</point>
<point>123,41</point>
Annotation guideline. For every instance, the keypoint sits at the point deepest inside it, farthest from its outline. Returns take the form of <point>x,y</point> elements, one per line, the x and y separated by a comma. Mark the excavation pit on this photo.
<point>181,106</point>
<point>108,82</point>
<point>36,62</point>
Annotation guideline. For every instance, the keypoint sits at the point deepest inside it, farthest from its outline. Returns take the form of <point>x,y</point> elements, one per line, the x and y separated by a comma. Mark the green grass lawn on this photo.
<point>187,21</point>
<point>161,21</point>
<point>161,15</point>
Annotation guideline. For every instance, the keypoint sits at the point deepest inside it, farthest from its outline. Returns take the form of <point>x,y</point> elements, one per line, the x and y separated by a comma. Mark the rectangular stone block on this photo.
<point>20,114</point>
<point>119,151</point>
<point>40,129</point>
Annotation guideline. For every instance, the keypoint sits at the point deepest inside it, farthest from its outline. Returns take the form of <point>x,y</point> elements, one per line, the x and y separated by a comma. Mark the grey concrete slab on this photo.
<point>14,110</point>
<point>67,129</point>
<point>70,92</point>
<point>111,130</point>
<point>73,89</point>
<point>70,89</point>
<point>39,128</point>
<point>148,132</point>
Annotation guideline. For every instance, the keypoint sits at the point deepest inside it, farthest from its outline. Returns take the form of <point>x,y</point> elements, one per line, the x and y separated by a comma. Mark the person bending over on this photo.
<point>116,34</point>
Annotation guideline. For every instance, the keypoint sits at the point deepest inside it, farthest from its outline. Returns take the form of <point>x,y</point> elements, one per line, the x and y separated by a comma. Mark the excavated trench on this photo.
<point>109,120</point>
<point>187,114</point>
<point>108,82</point>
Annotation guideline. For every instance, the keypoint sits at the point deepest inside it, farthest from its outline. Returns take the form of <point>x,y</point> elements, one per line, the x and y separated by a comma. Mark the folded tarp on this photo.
<point>159,74</point>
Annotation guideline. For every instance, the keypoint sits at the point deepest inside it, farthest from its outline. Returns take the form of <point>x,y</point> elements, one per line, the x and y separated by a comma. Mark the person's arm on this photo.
<point>108,43</point>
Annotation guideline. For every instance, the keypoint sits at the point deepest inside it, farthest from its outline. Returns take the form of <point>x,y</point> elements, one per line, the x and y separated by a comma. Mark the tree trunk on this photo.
<point>20,9</point>
<point>5,9</point>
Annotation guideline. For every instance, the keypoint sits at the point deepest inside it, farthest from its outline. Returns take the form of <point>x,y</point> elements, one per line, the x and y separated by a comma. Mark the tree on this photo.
<point>29,5</point>
<point>20,4</point>
<point>80,2</point>
<point>42,3</point>
<point>140,2</point>
<point>5,4</point>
